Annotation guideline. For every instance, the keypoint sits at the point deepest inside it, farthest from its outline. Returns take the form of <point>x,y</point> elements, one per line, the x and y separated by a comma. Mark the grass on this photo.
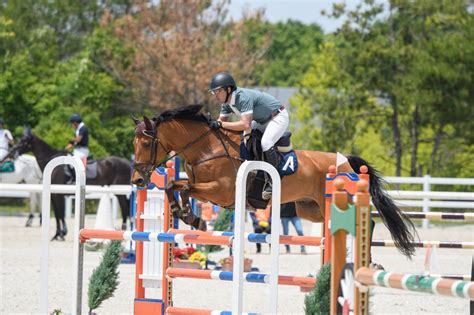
<point>10,206</point>
<point>16,206</point>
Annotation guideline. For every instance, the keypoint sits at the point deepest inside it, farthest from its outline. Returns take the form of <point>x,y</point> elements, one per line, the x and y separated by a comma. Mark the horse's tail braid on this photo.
<point>401,228</point>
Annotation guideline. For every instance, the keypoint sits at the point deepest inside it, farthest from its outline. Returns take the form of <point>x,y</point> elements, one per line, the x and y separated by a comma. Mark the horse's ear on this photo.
<point>135,119</point>
<point>148,123</point>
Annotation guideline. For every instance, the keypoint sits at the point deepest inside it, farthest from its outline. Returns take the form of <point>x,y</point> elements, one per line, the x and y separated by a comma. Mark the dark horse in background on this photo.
<point>213,156</point>
<point>111,170</point>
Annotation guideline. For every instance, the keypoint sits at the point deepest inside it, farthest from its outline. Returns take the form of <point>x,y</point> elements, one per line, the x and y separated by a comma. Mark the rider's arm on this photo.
<point>9,137</point>
<point>243,124</point>
<point>74,141</point>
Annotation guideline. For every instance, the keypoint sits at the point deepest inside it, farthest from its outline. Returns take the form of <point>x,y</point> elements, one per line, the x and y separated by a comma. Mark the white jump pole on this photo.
<point>80,192</point>
<point>239,234</point>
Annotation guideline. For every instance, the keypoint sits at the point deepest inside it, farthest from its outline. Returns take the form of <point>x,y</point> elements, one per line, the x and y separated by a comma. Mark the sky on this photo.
<point>306,11</point>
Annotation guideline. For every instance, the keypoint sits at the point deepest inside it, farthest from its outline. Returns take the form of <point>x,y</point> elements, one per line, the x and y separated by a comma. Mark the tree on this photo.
<point>330,104</point>
<point>47,71</point>
<point>176,48</point>
<point>412,63</point>
<point>290,49</point>
<point>68,22</point>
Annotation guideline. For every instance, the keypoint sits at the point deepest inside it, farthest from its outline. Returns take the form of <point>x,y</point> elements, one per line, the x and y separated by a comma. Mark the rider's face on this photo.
<point>220,95</point>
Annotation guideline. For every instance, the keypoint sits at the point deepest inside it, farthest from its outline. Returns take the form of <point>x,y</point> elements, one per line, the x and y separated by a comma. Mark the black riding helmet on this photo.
<point>75,118</point>
<point>222,80</point>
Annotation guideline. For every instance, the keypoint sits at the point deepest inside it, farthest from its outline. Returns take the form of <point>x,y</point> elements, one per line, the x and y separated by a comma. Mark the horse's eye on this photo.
<point>146,144</point>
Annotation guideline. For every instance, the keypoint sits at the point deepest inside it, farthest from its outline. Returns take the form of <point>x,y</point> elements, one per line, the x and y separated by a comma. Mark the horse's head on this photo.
<point>149,152</point>
<point>24,145</point>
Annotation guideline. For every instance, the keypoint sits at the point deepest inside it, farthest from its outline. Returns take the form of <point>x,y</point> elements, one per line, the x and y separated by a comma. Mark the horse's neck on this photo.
<point>43,152</point>
<point>180,134</point>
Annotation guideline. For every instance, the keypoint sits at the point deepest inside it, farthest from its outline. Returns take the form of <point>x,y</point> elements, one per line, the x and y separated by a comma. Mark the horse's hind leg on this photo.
<point>59,214</point>
<point>187,215</point>
<point>29,221</point>
<point>34,203</point>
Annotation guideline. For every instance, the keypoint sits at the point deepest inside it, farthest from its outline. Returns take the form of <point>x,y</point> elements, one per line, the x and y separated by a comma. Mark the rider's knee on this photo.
<point>267,144</point>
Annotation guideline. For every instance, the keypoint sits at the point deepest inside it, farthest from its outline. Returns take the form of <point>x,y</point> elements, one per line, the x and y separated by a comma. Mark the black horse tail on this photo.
<point>401,228</point>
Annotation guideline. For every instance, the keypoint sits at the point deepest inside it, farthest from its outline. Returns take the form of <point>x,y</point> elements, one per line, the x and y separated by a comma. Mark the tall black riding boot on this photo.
<point>271,156</point>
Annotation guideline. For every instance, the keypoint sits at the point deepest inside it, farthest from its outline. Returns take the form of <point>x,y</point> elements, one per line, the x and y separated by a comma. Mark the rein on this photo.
<point>156,141</point>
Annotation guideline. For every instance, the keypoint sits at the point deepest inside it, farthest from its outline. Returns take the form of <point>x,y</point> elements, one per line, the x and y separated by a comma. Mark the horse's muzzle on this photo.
<point>139,180</point>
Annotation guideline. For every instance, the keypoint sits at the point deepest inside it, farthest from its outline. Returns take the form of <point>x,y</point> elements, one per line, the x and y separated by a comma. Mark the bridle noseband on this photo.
<point>141,166</point>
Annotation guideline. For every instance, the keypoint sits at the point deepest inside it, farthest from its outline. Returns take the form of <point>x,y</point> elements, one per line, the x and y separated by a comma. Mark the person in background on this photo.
<point>6,139</point>
<point>288,214</point>
<point>261,222</point>
<point>80,142</point>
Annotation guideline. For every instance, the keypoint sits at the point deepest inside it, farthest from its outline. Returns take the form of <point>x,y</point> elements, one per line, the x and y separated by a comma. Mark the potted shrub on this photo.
<point>188,258</point>
<point>228,264</point>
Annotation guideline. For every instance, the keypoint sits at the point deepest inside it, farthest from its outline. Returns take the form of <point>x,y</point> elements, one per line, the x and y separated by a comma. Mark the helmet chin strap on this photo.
<point>227,94</point>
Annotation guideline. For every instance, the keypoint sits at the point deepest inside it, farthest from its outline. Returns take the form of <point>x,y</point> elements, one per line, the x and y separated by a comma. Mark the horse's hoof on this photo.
<point>267,192</point>
<point>124,226</point>
<point>202,225</point>
<point>57,237</point>
<point>30,220</point>
<point>266,195</point>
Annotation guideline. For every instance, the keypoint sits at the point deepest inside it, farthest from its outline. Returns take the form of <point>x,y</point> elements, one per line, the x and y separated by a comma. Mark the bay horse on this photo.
<point>26,171</point>
<point>212,158</point>
<point>111,170</point>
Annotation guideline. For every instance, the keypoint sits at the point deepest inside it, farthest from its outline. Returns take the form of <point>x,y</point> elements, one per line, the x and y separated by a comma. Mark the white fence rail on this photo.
<point>425,198</point>
<point>455,200</point>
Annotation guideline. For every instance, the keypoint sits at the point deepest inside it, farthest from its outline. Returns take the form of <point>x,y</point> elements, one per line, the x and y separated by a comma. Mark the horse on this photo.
<point>212,158</point>
<point>26,171</point>
<point>111,170</point>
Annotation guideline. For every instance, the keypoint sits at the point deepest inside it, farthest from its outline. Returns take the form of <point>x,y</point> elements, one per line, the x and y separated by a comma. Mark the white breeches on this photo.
<point>81,153</point>
<point>273,130</point>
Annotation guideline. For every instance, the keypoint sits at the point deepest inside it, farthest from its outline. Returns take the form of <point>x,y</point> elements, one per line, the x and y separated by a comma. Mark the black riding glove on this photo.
<point>215,124</point>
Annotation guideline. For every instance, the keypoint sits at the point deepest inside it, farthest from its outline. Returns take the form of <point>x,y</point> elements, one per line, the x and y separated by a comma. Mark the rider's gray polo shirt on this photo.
<point>247,101</point>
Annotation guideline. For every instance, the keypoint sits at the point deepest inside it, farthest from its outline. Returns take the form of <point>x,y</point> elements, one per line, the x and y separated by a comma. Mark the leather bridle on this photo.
<point>145,168</point>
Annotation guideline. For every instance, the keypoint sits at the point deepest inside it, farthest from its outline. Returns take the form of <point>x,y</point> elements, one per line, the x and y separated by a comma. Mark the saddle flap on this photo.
<point>284,145</point>
<point>7,167</point>
<point>254,148</point>
<point>285,140</point>
<point>91,169</point>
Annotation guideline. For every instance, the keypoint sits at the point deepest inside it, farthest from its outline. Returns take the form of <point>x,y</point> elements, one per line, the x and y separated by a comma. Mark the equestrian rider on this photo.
<point>80,141</point>
<point>257,110</point>
<point>6,138</point>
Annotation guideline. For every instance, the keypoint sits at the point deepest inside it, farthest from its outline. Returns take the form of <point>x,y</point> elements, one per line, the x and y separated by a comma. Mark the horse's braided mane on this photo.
<point>191,112</point>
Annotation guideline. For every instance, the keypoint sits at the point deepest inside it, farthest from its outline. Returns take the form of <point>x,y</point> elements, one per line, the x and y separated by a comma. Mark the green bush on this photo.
<point>104,279</point>
<point>222,224</point>
<point>317,302</point>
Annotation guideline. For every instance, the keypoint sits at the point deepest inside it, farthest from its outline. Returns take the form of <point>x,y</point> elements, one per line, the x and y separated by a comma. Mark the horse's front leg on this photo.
<point>187,215</point>
<point>170,188</point>
<point>211,191</point>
